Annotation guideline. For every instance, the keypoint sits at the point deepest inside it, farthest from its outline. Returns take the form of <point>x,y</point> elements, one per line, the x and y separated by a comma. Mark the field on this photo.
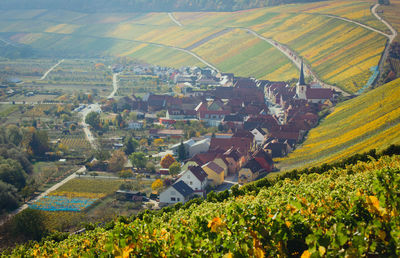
<point>310,215</point>
<point>244,59</point>
<point>27,70</point>
<point>76,143</point>
<point>341,53</point>
<point>368,121</point>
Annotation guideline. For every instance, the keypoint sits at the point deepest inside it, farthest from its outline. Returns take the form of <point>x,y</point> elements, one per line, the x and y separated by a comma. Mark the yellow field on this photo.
<point>252,57</point>
<point>340,52</point>
<point>358,125</point>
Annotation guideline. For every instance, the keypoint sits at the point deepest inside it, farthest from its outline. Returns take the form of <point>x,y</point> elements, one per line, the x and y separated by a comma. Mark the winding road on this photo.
<point>51,69</point>
<point>394,32</point>
<point>295,60</point>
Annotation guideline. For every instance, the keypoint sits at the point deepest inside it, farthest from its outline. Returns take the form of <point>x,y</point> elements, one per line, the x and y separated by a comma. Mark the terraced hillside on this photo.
<point>368,121</point>
<point>352,212</point>
<point>340,52</point>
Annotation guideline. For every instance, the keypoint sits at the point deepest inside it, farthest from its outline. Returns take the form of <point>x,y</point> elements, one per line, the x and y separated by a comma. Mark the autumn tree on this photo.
<point>138,159</point>
<point>30,224</point>
<point>167,161</point>
<point>125,174</point>
<point>93,119</point>
<point>158,142</point>
<point>157,185</point>
<point>175,168</point>
<point>131,145</point>
<point>36,142</point>
<point>14,134</point>
<point>117,161</point>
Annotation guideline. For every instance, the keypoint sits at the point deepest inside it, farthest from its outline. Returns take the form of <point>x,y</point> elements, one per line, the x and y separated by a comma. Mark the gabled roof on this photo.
<point>260,130</point>
<point>183,188</point>
<point>214,167</point>
<point>254,166</point>
<point>198,172</point>
<point>242,144</point>
<point>233,153</point>
<point>203,158</point>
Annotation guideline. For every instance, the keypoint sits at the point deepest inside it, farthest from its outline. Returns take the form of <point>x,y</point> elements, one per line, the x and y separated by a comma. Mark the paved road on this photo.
<point>84,112</point>
<point>358,23</point>
<point>394,32</point>
<point>51,69</point>
<point>31,103</point>
<point>171,16</point>
<point>385,55</point>
<point>115,86</point>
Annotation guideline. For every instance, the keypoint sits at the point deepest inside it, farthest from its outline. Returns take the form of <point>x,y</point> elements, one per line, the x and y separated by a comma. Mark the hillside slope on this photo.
<point>352,212</point>
<point>369,121</point>
<point>144,5</point>
<point>340,52</point>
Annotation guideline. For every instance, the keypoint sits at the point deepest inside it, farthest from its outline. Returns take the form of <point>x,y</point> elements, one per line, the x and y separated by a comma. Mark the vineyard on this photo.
<point>84,186</point>
<point>368,121</point>
<point>341,53</point>
<point>75,142</point>
<point>351,212</point>
<point>244,59</point>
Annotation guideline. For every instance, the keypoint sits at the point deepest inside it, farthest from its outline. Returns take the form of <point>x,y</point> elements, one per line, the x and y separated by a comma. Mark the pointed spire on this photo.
<point>301,79</point>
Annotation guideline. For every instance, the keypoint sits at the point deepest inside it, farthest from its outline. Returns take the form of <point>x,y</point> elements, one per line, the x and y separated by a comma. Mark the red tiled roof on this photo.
<point>240,143</point>
<point>319,93</point>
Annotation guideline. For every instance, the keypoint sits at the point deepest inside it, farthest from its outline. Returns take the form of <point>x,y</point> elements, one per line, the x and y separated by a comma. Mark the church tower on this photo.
<point>301,87</point>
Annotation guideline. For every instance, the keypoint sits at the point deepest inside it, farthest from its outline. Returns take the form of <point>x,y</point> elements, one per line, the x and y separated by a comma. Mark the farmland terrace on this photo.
<point>341,53</point>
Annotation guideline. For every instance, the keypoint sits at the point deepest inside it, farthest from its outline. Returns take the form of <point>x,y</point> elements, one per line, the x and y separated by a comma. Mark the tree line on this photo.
<point>145,5</point>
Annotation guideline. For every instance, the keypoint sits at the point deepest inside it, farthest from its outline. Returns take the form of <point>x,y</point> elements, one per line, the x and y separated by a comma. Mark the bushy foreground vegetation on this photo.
<point>368,121</point>
<point>349,208</point>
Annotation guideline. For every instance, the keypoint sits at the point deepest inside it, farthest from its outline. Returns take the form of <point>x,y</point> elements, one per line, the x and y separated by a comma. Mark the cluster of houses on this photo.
<point>260,119</point>
<point>255,134</point>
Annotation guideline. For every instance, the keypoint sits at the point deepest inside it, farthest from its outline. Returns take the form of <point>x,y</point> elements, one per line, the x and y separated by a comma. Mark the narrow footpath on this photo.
<point>171,16</point>
<point>51,69</point>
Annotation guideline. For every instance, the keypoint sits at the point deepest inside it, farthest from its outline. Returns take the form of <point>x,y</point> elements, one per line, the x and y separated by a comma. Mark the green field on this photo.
<point>358,125</point>
<point>341,53</point>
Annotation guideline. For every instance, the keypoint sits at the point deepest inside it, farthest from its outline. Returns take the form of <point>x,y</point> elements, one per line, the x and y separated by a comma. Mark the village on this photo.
<point>255,120</point>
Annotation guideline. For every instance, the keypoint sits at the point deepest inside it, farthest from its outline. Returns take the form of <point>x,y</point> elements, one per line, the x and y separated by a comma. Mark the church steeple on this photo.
<point>301,79</point>
<point>301,87</point>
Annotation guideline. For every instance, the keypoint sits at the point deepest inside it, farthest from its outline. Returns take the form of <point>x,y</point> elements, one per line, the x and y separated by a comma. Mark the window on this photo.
<point>178,199</point>
<point>190,183</point>
<point>173,199</point>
